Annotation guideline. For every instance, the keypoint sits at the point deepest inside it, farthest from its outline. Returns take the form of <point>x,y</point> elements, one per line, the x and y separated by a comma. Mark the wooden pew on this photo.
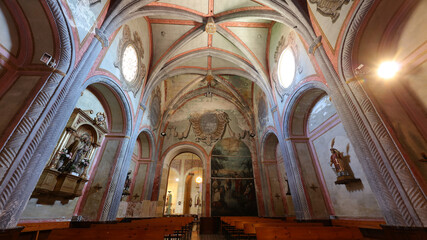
<point>37,230</point>
<point>374,224</point>
<point>111,234</point>
<point>176,228</point>
<point>156,228</point>
<point>250,228</point>
<point>11,233</point>
<point>319,233</point>
<point>235,230</point>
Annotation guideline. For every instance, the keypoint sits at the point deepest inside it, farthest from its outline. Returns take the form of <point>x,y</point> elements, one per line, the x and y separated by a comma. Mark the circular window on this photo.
<point>286,68</point>
<point>129,63</point>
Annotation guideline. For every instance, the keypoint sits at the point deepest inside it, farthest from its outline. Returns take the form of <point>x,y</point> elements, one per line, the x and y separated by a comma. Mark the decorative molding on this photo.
<point>403,198</point>
<point>210,27</point>
<point>209,127</point>
<point>13,166</point>
<point>315,44</point>
<point>155,108</point>
<point>135,84</point>
<point>100,35</point>
<point>284,42</point>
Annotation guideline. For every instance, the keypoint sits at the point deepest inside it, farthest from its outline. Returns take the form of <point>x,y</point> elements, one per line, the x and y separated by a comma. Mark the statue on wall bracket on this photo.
<point>341,163</point>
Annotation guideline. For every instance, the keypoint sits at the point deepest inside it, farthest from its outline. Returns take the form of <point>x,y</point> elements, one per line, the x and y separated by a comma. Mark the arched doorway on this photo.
<point>184,187</point>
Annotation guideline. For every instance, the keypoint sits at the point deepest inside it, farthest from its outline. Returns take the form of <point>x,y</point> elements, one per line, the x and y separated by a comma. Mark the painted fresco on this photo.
<point>85,14</point>
<point>262,112</point>
<point>243,85</point>
<point>231,158</point>
<point>155,108</point>
<point>331,22</point>
<point>322,111</point>
<point>233,191</point>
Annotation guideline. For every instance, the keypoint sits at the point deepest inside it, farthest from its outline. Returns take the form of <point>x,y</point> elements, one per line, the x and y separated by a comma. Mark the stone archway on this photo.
<point>162,182</point>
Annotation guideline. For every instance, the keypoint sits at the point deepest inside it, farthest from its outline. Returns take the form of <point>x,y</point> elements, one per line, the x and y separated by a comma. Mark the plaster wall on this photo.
<point>145,147</point>
<point>282,175</point>
<point>164,35</point>
<point>88,101</point>
<point>101,178</point>
<point>262,112</point>
<point>197,42</point>
<point>355,200</point>
<point>255,39</point>
<point>219,41</point>
<point>9,39</point>
<point>276,195</point>
<point>225,5</point>
<point>139,181</point>
<point>41,31</point>
<point>174,85</point>
<point>318,205</point>
<point>58,210</point>
<point>84,15</point>
<point>322,111</point>
<point>16,98</point>
<point>202,7</point>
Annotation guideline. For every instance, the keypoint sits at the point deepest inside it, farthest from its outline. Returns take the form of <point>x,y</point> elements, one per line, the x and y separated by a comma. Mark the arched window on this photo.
<point>286,68</point>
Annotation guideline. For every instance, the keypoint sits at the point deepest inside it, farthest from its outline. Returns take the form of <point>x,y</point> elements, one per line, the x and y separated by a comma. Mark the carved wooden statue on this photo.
<point>342,168</point>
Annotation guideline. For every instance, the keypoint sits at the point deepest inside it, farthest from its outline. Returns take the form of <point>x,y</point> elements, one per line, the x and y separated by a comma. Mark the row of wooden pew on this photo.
<point>268,228</point>
<point>169,228</point>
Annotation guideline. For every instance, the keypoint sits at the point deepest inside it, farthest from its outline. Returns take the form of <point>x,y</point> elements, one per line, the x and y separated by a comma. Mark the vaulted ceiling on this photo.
<point>237,50</point>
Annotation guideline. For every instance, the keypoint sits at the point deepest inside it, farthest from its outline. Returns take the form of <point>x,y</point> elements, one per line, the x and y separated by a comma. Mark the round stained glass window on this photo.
<point>129,63</point>
<point>286,68</point>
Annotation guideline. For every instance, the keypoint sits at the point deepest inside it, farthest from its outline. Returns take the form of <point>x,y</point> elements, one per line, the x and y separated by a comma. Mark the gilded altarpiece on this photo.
<point>66,172</point>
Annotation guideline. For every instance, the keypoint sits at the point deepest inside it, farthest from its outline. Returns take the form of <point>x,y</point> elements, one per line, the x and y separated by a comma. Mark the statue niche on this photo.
<point>66,173</point>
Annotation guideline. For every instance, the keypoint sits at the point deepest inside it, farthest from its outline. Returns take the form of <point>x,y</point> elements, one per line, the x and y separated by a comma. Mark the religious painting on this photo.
<point>262,112</point>
<point>231,158</point>
<point>243,86</point>
<point>233,197</point>
<point>155,108</point>
<point>232,189</point>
